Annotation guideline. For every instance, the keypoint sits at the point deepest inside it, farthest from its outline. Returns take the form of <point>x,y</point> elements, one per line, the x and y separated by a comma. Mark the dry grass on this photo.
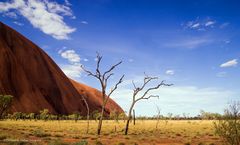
<point>144,132</point>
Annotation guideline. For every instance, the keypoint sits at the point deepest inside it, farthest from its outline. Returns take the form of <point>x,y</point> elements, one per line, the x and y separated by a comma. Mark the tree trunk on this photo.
<point>128,119</point>
<point>100,121</point>
<point>88,114</point>
<point>134,119</point>
<point>157,123</point>
<point>126,129</point>
<point>87,122</point>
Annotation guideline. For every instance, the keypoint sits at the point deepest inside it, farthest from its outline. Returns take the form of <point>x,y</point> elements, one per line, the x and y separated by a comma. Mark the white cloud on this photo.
<point>230,63</point>
<point>195,25</point>
<point>73,69</point>
<point>42,14</point>
<point>200,25</point>
<point>85,59</point>
<point>209,23</point>
<point>84,22</point>
<point>70,55</point>
<point>18,23</point>
<point>170,72</point>
<point>67,3</point>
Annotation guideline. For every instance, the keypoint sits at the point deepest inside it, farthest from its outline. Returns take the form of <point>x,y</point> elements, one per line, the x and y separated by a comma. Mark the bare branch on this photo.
<point>112,68</point>
<point>109,76</point>
<point>151,96</point>
<point>134,85</point>
<point>89,73</point>
<point>115,87</point>
<point>146,98</point>
<point>99,58</point>
<point>147,79</point>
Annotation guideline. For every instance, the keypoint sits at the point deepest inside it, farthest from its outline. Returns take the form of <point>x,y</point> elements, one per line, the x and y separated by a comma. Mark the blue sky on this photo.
<point>192,44</point>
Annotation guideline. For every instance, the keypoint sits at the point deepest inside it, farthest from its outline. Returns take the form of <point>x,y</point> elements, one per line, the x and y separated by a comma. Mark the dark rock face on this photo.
<point>36,82</point>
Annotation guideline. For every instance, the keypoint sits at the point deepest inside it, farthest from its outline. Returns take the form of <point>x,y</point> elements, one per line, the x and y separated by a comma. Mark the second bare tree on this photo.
<point>137,90</point>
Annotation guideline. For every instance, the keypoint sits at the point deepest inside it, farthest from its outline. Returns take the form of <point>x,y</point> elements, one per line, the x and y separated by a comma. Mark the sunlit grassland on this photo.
<point>144,132</point>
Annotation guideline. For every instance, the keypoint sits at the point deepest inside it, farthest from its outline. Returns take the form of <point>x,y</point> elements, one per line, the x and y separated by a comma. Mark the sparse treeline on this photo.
<point>46,115</point>
<point>95,115</point>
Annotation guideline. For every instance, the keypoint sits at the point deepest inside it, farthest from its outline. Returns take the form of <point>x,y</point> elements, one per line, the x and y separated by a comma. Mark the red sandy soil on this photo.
<point>36,82</point>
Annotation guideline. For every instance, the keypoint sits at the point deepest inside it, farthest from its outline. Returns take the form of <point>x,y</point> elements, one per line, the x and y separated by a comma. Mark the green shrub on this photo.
<point>83,142</point>
<point>99,142</point>
<point>228,126</point>
<point>57,142</point>
<point>3,136</point>
<point>40,133</point>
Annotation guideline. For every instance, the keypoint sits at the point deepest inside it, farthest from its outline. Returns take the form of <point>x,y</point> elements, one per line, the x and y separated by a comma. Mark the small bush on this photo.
<point>19,143</point>
<point>58,135</point>
<point>228,126</point>
<point>3,136</point>
<point>40,133</point>
<point>57,142</point>
<point>99,142</point>
<point>178,134</point>
<point>83,142</point>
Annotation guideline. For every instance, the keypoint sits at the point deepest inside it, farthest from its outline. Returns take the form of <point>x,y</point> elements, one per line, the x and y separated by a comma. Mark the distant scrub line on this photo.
<point>45,115</point>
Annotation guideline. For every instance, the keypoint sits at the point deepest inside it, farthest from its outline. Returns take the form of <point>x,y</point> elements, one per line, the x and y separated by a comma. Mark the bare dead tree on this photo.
<point>103,77</point>
<point>144,96</point>
<point>158,117</point>
<point>88,113</point>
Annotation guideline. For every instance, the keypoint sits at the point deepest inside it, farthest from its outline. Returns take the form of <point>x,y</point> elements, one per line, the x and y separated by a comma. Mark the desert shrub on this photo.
<point>17,115</point>
<point>44,114</point>
<point>57,142</point>
<point>52,117</point>
<point>19,143</point>
<point>95,115</point>
<point>228,126</point>
<point>3,136</point>
<point>99,142</point>
<point>58,135</point>
<point>31,116</point>
<point>75,116</point>
<point>83,142</point>
<point>5,103</point>
<point>40,133</point>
